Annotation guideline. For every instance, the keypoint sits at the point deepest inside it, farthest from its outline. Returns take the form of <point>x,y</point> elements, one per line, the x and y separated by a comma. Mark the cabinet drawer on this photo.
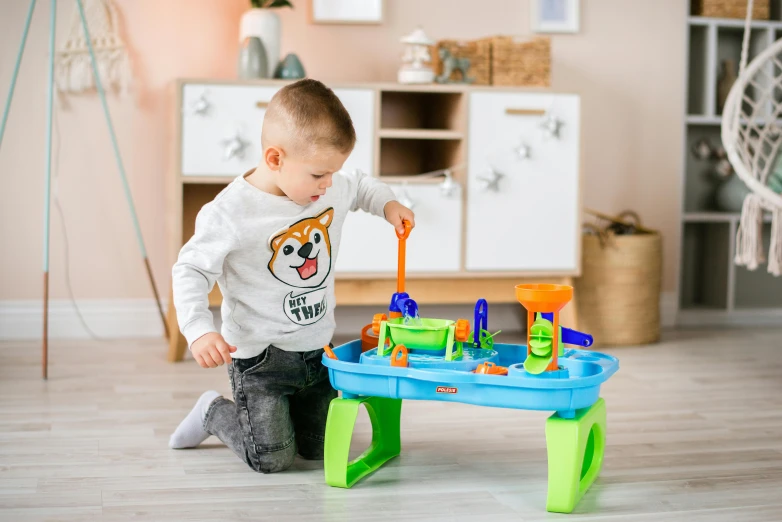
<point>529,221</point>
<point>369,243</point>
<point>224,138</point>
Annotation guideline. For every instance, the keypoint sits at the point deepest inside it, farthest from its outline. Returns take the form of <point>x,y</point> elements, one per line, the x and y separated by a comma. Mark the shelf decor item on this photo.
<point>262,22</point>
<point>727,77</point>
<point>476,52</point>
<point>730,9</point>
<point>290,68</point>
<point>521,61</point>
<point>416,59</point>
<point>252,59</point>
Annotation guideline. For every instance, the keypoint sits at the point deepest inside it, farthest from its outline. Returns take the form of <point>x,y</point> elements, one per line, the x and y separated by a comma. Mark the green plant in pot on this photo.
<point>262,22</point>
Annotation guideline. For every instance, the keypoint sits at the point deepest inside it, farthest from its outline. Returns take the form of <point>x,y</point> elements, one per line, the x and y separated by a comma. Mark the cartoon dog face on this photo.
<point>302,253</point>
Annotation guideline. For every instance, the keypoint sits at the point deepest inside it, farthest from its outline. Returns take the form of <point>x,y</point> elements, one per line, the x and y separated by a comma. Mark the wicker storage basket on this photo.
<point>525,62</point>
<point>478,52</point>
<point>730,8</point>
<point>618,293</point>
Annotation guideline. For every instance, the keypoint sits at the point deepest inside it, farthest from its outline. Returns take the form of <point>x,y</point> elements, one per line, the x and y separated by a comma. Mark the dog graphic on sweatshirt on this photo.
<point>301,257</point>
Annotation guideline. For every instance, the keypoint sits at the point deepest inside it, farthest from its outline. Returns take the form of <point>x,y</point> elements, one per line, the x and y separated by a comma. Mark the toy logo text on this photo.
<point>447,389</point>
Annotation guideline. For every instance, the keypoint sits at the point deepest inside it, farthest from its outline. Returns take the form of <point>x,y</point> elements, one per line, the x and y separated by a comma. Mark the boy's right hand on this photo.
<point>211,350</point>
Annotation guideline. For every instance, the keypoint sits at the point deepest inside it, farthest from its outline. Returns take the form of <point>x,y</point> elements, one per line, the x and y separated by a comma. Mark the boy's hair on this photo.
<point>312,115</point>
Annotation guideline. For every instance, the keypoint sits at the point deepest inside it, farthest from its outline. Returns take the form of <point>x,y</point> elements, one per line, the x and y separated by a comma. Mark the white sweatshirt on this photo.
<point>273,261</point>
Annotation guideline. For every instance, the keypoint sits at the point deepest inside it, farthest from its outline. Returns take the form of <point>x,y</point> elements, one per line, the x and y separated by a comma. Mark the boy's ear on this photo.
<point>272,156</point>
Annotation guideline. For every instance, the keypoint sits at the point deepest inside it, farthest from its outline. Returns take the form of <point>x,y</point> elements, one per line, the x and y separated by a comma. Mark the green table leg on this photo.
<point>575,455</point>
<point>385,415</point>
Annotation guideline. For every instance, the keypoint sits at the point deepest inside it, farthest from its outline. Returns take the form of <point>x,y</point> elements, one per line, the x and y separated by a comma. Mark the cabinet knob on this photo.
<point>448,187</point>
<point>234,147</point>
<point>523,151</point>
<point>551,126</point>
<point>492,182</point>
<point>200,106</point>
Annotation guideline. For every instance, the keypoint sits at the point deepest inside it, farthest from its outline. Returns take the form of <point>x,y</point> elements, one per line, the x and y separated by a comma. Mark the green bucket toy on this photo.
<point>418,334</point>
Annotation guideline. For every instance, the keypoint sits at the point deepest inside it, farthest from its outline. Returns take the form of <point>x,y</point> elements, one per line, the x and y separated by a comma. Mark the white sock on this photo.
<point>190,432</point>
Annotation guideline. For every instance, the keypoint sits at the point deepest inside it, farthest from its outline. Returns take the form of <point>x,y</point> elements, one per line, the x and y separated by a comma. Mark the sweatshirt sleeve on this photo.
<point>367,193</point>
<point>198,266</point>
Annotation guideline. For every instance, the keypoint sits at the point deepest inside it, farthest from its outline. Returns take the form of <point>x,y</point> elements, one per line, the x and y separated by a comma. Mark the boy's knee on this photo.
<point>275,461</point>
<point>310,448</point>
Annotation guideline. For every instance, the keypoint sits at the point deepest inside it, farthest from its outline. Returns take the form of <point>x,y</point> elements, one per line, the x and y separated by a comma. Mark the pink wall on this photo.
<point>630,77</point>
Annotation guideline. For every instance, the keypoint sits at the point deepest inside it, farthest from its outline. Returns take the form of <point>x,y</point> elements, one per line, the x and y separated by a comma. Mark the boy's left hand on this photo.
<point>396,213</point>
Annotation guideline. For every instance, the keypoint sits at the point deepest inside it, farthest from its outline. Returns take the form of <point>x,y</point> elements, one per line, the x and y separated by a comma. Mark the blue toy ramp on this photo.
<point>575,386</point>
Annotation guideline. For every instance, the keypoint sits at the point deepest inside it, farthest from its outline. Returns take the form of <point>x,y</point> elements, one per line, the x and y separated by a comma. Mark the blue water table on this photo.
<point>410,357</point>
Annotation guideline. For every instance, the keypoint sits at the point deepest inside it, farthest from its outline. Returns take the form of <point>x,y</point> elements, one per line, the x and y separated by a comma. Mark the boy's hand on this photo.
<point>396,213</point>
<point>211,350</point>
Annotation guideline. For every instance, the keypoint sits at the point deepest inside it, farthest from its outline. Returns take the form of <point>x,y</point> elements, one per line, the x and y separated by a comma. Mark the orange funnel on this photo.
<point>544,298</point>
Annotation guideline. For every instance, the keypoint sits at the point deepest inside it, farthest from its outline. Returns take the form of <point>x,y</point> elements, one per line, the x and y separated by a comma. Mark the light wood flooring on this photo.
<point>694,433</point>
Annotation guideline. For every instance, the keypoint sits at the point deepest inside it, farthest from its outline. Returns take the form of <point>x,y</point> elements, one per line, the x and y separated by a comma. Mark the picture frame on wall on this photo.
<point>555,16</point>
<point>346,11</point>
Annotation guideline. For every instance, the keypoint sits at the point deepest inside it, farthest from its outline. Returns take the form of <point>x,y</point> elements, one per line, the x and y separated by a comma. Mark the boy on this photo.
<point>270,240</point>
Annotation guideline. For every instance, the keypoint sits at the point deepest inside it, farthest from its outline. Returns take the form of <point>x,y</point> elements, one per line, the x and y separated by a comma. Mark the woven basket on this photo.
<point>730,9</point>
<point>477,51</point>
<point>618,293</point>
<point>521,62</point>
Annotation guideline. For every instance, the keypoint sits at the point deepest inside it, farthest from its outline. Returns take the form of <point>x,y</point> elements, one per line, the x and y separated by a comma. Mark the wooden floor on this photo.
<point>694,433</point>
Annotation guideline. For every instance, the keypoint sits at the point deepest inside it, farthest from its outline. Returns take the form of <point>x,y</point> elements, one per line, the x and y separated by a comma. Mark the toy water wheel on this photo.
<point>376,320</point>
<point>486,339</point>
<point>462,330</point>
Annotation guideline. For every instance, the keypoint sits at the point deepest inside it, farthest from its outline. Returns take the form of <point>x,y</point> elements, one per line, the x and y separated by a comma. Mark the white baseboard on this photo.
<point>669,308</point>
<point>107,318</point>
<point>735,318</point>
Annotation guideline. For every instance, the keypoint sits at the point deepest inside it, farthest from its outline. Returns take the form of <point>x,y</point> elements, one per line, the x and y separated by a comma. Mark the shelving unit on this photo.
<point>420,131</point>
<point>712,289</point>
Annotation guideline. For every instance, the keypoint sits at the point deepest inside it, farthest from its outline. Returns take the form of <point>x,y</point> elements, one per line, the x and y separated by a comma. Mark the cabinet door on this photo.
<point>529,220</point>
<point>369,243</point>
<point>221,128</point>
<point>360,104</point>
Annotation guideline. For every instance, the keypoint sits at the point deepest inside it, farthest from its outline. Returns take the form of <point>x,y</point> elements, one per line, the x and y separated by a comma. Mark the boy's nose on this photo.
<point>305,250</point>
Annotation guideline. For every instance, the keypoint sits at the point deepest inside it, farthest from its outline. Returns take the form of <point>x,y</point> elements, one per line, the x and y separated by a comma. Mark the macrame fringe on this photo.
<point>749,239</point>
<point>775,249</point>
<point>74,74</point>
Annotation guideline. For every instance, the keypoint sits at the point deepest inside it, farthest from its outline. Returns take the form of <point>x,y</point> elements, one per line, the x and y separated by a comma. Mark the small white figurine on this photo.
<point>415,59</point>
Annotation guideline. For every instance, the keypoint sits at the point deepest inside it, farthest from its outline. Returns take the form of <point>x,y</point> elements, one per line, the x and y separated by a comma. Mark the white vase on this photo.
<point>265,24</point>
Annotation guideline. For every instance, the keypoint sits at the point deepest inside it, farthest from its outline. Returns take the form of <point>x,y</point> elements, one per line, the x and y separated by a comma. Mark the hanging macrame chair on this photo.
<point>753,141</point>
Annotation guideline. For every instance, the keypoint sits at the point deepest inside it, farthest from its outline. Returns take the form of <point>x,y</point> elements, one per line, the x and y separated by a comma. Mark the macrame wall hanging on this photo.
<point>73,69</point>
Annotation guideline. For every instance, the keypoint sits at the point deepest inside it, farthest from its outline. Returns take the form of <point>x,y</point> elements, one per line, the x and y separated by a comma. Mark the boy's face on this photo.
<point>304,179</point>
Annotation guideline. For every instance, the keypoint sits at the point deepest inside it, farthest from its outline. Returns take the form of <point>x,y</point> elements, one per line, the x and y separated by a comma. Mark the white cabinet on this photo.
<point>360,104</point>
<point>221,128</point>
<point>528,220</point>
<point>369,243</point>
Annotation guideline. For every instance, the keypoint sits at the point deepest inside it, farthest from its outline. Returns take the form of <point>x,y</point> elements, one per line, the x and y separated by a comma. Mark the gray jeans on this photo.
<point>281,401</point>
